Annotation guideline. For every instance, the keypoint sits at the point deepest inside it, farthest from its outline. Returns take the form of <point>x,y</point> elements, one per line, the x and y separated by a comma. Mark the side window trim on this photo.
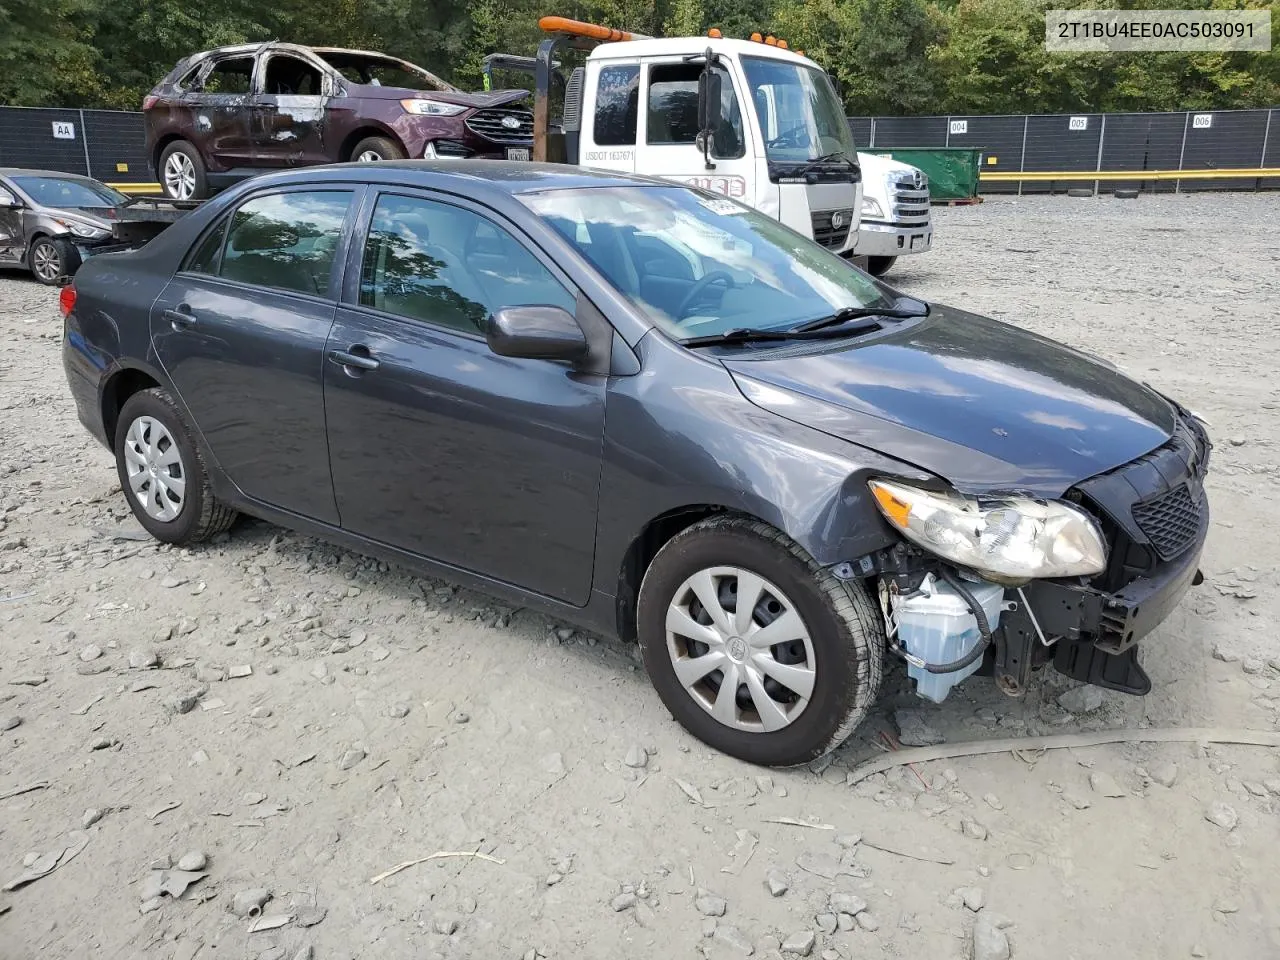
<point>354,261</point>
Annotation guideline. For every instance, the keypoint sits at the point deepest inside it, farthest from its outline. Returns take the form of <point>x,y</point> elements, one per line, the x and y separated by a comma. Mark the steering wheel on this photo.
<point>789,138</point>
<point>700,287</point>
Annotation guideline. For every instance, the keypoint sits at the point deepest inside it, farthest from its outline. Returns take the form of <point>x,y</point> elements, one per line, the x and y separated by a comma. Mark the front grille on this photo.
<point>1170,521</point>
<point>911,200</point>
<point>490,125</point>
<point>827,234</point>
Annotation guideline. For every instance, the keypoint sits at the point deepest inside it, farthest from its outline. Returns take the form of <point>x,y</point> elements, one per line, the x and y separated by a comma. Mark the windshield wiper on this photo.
<point>856,313</point>
<point>744,335</point>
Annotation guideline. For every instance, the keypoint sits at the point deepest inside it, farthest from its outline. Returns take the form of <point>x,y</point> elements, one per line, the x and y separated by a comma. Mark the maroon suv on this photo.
<point>229,113</point>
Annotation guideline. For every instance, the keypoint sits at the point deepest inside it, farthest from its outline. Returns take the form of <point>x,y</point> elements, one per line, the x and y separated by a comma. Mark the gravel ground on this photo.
<point>387,717</point>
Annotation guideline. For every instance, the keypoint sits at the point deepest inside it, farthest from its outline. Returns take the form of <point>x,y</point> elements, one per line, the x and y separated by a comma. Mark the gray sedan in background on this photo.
<point>49,220</point>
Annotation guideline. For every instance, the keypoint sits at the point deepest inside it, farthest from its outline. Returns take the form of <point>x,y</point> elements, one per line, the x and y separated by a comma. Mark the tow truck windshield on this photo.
<point>701,265</point>
<point>799,113</point>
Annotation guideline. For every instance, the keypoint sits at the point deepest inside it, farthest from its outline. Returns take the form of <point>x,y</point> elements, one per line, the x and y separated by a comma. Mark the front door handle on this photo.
<point>180,319</point>
<point>357,358</point>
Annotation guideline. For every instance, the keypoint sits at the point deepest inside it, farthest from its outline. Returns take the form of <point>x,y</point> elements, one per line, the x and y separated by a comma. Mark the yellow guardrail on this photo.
<point>1249,173</point>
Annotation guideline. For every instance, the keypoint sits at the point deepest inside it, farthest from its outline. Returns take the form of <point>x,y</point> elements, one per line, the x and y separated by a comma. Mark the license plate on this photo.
<point>517,153</point>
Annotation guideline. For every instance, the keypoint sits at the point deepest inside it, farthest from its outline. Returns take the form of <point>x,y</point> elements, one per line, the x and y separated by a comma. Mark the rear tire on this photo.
<point>182,172</point>
<point>835,655</point>
<point>162,474</point>
<point>52,259</point>
<point>374,149</point>
<point>879,266</point>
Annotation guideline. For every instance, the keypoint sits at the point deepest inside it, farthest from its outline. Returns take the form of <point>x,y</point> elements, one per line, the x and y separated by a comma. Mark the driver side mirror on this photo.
<point>535,333</point>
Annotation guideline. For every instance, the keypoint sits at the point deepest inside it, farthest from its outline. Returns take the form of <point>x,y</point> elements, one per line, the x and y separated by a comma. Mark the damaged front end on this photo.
<point>1082,613</point>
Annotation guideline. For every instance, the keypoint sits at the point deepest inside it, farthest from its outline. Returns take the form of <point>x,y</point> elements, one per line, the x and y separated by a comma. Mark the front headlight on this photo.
<point>425,107</point>
<point>871,207</point>
<point>1009,538</point>
<point>85,230</point>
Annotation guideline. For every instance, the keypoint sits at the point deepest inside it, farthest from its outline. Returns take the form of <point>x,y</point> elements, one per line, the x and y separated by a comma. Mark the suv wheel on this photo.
<point>162,473</point>
<point>182,174</point>
<point>879,266</point>
<point>374,149</point>
<point>756,649</point>
<point>52,258</point>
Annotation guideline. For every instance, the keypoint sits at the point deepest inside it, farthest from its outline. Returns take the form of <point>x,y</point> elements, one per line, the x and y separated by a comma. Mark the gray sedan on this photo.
<point>653,412</point>
<point>49,221</point>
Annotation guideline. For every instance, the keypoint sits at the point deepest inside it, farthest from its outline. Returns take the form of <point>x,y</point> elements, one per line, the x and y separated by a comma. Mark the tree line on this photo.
<point>891,57</point>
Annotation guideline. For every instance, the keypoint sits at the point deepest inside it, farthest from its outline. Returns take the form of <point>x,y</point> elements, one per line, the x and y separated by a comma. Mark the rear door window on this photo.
<point>286,240</point>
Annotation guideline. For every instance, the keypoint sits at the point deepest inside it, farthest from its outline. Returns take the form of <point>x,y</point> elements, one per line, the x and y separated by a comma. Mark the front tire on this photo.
<point>804,661</point>
<point>182,172</point>
<point>162,473</point>
<point>52,259</point>
<point>879,266</point>
<point>375,149</point>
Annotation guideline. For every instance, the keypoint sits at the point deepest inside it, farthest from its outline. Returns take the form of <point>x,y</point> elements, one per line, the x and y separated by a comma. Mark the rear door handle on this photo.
<point>357,358</point>
<point>180,319</point>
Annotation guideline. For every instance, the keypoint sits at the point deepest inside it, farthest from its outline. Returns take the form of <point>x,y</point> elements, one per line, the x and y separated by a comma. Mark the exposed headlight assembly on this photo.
<point>425,107</point>
<point>1005,539</point>
<point>84,230</point>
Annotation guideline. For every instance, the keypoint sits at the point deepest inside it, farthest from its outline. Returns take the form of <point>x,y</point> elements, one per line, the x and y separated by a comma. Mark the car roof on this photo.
<point>28,172</point>
<point>469,176</point>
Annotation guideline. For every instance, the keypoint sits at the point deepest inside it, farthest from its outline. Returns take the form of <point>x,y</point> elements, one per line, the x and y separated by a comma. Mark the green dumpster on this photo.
<point>952,171</point>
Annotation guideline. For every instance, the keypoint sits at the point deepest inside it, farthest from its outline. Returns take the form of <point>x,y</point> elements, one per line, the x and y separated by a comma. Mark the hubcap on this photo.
<point>740,649</point>
<point>180,176</point>
<point>369,156</point>
<point>45,262</point>
<point>157,477</point>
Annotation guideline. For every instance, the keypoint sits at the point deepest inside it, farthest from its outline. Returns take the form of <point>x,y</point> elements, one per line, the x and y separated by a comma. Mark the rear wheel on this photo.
<point>52,259</point>
<point>374,149</point>
<point>162,473</point>
<point>182,173</point>
<point>879,266</point>
<point>756,649</point>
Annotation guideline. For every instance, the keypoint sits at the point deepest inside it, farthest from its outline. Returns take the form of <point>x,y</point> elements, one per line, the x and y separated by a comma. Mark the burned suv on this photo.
<point>226,114</point>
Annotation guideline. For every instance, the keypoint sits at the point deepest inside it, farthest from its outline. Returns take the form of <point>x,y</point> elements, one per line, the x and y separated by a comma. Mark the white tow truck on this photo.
<point>750,119</point>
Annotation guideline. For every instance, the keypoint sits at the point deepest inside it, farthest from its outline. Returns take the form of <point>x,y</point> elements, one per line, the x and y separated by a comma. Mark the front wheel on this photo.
<point>376,149</point>
<point>756,649</point>
<point>879,266</point>
<point>162,473</point>
<point>52,259</point>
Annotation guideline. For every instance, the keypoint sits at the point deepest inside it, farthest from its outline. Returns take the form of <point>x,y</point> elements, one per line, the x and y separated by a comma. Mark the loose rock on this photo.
<point>975,898</point>
<point>10,722</point>
<point>445,926</point>
<point>846,922</point>
<point>398,711</point>
<point>867,922</point>
<point>192,860</point>
<point>1164,774</point>
<point>989,940</point>
<point>710,906</point>
<point>777,882</point>
<point>184,702</point>
<point>973,830</point>
<point>799,944</point>
<point>90,817</point>
<point>260,713</point>
<point>249,902</point>
<point>1105,784</point>
<point>143,659</point>
<point>1222,815</point>
<point>309,918</point>
<point>636,757</point>
<point>1082,699</point>
<point>732,937</point>
<point>623,901</point>
<point>914,730</point>
<point>351,757</point>
<point>826,922</point>
<point>91,652</point>
<point>847,903</point>
<point>1252,665</point>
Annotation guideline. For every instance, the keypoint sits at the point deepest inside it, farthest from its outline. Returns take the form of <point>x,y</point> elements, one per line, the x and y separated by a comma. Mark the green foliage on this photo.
<point>889,56</point>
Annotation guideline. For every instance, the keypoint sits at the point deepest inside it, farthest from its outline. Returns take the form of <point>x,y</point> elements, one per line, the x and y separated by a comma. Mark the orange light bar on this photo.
<point>714,33</point>
<point>782,45</point>
<point>579,29</point>
<point>771,41</point>
<point>757,38</point>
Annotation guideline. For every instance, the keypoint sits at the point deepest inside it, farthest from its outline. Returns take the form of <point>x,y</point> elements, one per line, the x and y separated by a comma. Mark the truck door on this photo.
<point>612,103</point>
<point>669,132</point>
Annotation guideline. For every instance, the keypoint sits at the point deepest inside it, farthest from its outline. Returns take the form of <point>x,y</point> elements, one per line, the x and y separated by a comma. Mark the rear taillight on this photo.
<point>149,101</point>
<point>67,299</point>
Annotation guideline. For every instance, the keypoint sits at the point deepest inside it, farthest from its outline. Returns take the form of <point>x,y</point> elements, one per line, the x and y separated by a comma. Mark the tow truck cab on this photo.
<point>762,125</point>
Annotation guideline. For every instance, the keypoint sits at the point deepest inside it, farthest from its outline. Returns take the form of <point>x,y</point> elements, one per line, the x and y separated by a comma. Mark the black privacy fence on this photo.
<point>1219,150</point>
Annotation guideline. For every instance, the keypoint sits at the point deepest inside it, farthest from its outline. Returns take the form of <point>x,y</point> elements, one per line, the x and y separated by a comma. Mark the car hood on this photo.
<point>493,98</point>
<point>100,217</point>
<point>982,404</point>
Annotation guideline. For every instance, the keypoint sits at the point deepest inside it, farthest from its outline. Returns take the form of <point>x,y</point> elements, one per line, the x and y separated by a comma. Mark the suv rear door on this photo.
<point>289,110</point>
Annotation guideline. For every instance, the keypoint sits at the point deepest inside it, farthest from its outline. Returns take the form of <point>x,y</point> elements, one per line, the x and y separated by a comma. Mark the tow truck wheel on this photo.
<point>879,266</point>
<point>182,174</point>
<point>51,259</point>
<point>754,647</point>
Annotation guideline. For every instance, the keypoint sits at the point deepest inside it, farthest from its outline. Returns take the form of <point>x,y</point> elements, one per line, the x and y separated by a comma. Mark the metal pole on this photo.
<point>873,133</point>
<point>948,141</point>
<point>84,142</point>
<point>1022,161</point>
<point>1102,135</point>
<point>1186,122</point>
<point>1262,160</point>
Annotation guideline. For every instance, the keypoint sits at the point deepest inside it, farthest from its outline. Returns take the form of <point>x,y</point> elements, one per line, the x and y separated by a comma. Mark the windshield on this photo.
<point>700,264</point>
<point>799,113</point>
<point>68,192</point>
<point>383,71</point>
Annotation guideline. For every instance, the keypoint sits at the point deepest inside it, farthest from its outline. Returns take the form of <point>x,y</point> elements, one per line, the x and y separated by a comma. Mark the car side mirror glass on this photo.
<point>535,333</point>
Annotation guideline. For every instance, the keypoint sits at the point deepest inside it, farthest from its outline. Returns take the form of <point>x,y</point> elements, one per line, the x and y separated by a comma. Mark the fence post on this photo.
<point>84,142</point>
<point>1186,122</point>
<point>1262,160</point>
<point>1102,135</point>
<point>873,133</point>
<point>1022,160</point>
<point>947,142</point>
